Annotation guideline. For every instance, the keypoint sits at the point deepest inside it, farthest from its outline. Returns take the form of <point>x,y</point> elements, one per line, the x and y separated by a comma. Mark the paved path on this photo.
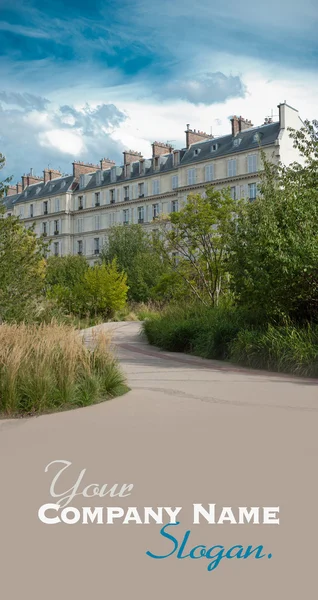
<point>189,431</point>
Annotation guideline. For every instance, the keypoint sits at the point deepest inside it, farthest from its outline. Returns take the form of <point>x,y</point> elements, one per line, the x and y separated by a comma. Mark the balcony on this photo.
<point>141,220</point>
<point>112,201</point>
<point>141,195</point>
<point>96,251</point>
<point>56,232</point>
<point>80,252</point>
<point>126,198</point>
<point>97,203</point>
<point>45,212</point>
<point>80,207</point>
<point>126,222</point>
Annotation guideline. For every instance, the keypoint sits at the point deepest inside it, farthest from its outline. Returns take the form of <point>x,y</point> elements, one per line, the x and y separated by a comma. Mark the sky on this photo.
<point>85,80</point>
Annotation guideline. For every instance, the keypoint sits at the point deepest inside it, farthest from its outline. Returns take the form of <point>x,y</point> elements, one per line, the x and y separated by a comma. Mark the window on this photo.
<point>176,158</point>
<point>141,190</point>
<point>44,228</point>
<point>214,147</point>
<point>156,162</point>
<point>155,186</point>
<point>56,228</point>
<point>82,182</point>
<point>21,212</point>
<point>97,222</point>
<point>257,137</point>
<point>233,192</point>
<point>174,206</point>
<point>56,248</point>
<point>191,176</point>
<point>96,245</point>
<point>97,198</point>
<point>31,210</point>
<point>252,189</point>
<point>113,174</point>
<point>252,163</point>
<point>80,247</point>
<point>126,216</point>
<point>99,177</point>
<point>127,171</point>
<point>209,172</point>
<point>141,214</point>
<point>236,142</point>
<point>231,167</point>
<point>155,211</point>
<point>79,225</point>
<point>45,207</point>
<point>126,192</point>
<point>112,196</point>
<point>80,203</point>
<point>196,151</point>
<point>175,182</point>
<point>57,205</point>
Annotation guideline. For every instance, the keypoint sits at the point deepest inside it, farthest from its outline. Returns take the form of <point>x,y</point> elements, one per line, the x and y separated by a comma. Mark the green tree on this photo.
<point>195,241</point>
<point>5,182</point>
<point>102,291</point>
<point>135,253</point>
<point>22,266</point>
<point>274,261</point>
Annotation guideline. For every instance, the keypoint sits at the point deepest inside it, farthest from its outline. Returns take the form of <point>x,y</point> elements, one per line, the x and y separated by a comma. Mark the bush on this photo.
<point>48,367</point>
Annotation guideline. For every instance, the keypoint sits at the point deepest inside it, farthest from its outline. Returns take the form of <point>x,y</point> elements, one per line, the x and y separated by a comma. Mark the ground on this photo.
<point>189,431</point>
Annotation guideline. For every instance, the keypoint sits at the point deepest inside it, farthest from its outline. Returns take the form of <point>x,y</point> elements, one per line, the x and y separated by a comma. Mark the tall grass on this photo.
<point>227,333</point>
<point>48,367</point>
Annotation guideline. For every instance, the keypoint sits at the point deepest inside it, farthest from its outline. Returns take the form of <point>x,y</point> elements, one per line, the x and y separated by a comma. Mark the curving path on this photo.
<point>189,431</point>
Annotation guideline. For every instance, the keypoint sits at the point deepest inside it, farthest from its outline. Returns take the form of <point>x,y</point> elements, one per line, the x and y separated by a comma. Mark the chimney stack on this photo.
<point>29,179</point>
<point>11,190</point>
<point>193,136</point>
<point>106,163</point>
<point>131,156</point>
<point>239,124</point>
<point>81,168</point>
<point>49,174</point>
<point>19,188</point>
<point>159,148</point>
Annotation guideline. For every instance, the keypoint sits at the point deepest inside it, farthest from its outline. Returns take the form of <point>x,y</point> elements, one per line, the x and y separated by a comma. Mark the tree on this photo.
<point>274,261</point>
<point>195,243</point>
<point>134,251</point>
<point>22,266</point>
<point>102,291</point>
<point>3,184</point>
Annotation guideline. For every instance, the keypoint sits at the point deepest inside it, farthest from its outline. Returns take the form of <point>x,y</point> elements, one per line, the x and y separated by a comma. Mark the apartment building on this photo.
<point>76,211</point>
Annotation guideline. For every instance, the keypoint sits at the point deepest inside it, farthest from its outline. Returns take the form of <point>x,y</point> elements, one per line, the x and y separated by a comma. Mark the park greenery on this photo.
<point>233,280</point>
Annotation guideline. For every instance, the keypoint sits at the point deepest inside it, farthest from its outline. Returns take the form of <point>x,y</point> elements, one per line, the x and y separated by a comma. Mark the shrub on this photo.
<point>48,367</point>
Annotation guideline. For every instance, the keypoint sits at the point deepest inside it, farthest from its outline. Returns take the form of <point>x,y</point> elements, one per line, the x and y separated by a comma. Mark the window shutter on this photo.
<point>122,194</point>
<point>107,196</point>
<point>146,189</point>
<point>60,225</point>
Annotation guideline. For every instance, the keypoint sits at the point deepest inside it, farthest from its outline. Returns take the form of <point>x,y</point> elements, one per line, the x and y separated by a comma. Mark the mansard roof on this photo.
<point>43,190</point>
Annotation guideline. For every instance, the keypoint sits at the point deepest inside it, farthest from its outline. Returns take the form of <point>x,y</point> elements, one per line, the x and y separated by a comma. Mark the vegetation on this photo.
<point>46,368</point>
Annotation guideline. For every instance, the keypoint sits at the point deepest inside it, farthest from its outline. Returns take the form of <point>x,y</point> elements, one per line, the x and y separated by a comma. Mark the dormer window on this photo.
<point>98,177</point>
<point>113,174</point>
<point>38,189</point>
<point>82,181</point>
<point>256,137</point>
<point>156,162</point>
<point>236,142</point>
<point>196,151</point>
<point>214,147</point>
<point>176,158</point>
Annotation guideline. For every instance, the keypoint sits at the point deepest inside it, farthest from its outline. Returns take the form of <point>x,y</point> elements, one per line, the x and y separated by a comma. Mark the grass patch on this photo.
<point>234,335</point>
<point>48,368</point>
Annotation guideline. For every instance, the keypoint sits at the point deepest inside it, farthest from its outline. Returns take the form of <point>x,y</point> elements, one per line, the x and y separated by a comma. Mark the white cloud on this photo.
<point>65,142</point>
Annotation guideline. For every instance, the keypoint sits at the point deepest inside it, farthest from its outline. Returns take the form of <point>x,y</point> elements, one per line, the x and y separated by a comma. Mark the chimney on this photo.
<point>11,190</point>
<point>193,136</point>
<point>81,168</point>
<point>131,156</point>
<point>106,163</point>
<point>30,179</point>
<point>158,148</point>
<point>19,188</point>
<point>49,174</point>
<point>239,124</point>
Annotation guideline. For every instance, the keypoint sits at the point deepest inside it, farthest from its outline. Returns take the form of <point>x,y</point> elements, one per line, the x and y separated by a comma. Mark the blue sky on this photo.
<point>81,80</point>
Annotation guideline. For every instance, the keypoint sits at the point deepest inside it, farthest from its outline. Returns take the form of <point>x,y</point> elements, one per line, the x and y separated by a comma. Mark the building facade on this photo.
<point>75,212</point>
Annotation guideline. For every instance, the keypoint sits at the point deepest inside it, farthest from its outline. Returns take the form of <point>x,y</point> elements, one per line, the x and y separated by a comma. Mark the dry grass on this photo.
<point>48,367</point>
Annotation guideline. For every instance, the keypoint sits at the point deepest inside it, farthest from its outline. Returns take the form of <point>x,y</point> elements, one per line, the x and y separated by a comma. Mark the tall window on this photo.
<point>126,192</point>
<point>155,186</point>
<point>233,192</point>
<point>209,172</point>
<point>112,196</point>
<point>57,205</point>
<point>31,210</point>
<point>252,190</point>
<point>80,247</point>
<point>174,206</point>
<point>79,225</point>
<point>45,207</point>
<point>191,176</point>
<point>175,182</point>
<point>252,163</point>
<point>141,190</point>
<point>97,222</point>
<point>155,211</point>
<point>96,245</point>
<point>44,228</point>
<point>141,214</point>
<point>80,203</point>
<point>97,198</point>
<point>231,167</point>
<point>56,248</point>
<point>56,228</point>
<point>126,216</point>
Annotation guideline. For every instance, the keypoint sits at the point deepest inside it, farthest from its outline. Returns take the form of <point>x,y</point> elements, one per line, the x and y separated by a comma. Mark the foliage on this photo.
<point>274,249</point>
<point>135,253</point>
<point>3,184</point>
<point>102,291</point>
<point>47,368</point>
<point>195,243</point>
